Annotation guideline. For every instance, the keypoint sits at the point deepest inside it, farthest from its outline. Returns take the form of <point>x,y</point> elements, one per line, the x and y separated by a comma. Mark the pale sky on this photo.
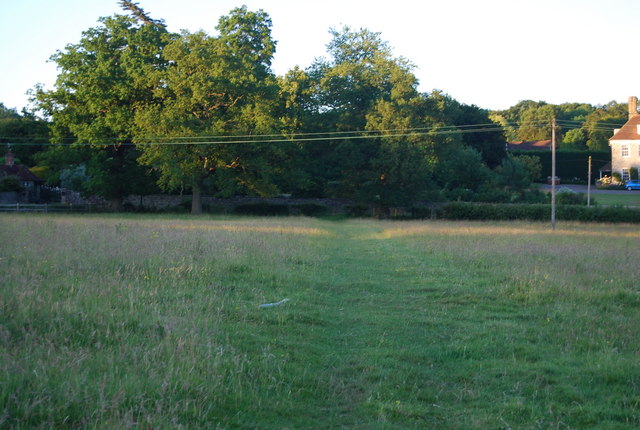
<point>491,53</point>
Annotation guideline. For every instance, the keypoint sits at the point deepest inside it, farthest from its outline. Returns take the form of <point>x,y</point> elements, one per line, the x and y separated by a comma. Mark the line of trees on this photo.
<point>136,107</point>
<point>583,126</point>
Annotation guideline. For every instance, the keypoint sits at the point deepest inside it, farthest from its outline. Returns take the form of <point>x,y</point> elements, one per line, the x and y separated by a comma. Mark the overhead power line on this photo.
<point>328,136</point>
<point>304,137</point>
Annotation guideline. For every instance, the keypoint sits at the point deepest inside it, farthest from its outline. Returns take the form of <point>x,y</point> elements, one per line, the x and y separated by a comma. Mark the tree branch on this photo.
<point>139,13</point>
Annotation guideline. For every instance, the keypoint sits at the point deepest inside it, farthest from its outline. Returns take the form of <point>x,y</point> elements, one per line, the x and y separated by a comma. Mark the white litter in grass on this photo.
<point>269,305</point>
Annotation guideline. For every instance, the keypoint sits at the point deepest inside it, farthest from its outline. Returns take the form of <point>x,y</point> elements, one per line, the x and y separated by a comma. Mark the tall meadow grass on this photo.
<point>155,322</point>
<point>109,322</point>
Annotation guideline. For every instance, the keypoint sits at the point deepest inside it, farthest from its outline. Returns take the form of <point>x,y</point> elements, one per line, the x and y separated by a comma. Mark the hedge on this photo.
<point>500,212</point>
<point>10,183</point>
<point>309,209</point>
<point>262,209</point>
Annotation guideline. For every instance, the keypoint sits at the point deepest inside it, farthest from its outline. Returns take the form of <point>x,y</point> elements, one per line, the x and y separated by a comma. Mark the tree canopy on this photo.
<point>24,133</point>
<point>580,126</point>
<point>214,86</point>
<point>104,80</point>
<point>135,103</point>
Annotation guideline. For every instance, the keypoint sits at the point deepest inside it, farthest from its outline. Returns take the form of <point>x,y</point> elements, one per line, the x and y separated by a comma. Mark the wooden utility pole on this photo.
<point>589,184</point>
<point>553,174</point>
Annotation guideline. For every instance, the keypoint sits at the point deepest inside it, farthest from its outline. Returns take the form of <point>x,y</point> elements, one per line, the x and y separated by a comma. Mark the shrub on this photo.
<point>566,196</point>
<point>358,210</point>
<point>459,194</point>
<point>423,212</point>
<point>74,178</point>
<point>261,209</point>
<point>311,209</point>
<point>183,207</point>
<point>10,183</point>
<point>496,195</point>
<point>613,182</point>
<point>214,209</point>
<point>534,196</point>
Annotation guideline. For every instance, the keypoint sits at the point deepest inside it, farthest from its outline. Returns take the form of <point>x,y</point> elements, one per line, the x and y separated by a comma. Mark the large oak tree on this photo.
<point>216,91</point>
<point>103,80</point>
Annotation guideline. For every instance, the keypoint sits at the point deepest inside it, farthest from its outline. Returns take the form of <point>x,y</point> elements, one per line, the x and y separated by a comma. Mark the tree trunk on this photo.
<point>196,198</point>
<point>116,204</point>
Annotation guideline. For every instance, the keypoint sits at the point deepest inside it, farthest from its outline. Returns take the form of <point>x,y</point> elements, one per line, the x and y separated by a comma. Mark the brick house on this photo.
<point>30,183</point>
<point>625,143</point>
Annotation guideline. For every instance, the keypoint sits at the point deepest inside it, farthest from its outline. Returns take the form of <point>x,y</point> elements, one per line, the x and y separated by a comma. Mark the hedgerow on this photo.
<point>500,212</point>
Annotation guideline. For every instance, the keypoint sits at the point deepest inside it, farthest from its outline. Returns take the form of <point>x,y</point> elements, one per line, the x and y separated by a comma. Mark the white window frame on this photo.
<point>624,151</point>
<point>625,174</point>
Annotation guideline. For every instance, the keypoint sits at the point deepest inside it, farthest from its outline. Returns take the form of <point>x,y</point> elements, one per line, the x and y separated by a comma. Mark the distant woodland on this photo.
<point>137,109</point>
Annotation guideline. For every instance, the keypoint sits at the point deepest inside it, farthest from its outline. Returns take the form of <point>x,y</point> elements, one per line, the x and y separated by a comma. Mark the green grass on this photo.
<point>631,198</point>
<point>154,322</point>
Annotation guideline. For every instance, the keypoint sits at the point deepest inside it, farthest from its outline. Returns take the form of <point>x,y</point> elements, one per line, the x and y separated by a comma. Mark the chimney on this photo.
<point>633,106</point>
<point>8,158</point>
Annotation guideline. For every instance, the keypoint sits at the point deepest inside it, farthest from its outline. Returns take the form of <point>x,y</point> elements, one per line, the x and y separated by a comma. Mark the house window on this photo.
<point>624,151</point>
<point>625,174</point>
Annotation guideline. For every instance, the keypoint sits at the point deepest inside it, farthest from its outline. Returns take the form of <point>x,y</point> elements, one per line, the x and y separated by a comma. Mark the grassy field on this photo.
<point>632,198</point>
<point>155,322</point>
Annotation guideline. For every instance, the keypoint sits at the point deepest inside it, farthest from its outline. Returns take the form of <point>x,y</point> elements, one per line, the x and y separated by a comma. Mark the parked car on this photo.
<point>550,182</point>
<point>633,184</point>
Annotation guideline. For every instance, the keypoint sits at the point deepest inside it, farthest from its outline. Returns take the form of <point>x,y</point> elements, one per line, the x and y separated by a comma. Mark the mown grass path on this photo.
<point>113,322</point>
<point>417,335</point>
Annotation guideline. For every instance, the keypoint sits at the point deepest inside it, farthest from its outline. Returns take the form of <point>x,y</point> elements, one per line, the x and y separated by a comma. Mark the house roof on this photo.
<point>606,167</point>
<point>20,171</point>
<point>529,145</point>
<point>629,130</point>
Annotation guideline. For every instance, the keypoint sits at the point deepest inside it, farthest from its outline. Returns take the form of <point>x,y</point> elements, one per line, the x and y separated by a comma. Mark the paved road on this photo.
<point>583,189</point>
